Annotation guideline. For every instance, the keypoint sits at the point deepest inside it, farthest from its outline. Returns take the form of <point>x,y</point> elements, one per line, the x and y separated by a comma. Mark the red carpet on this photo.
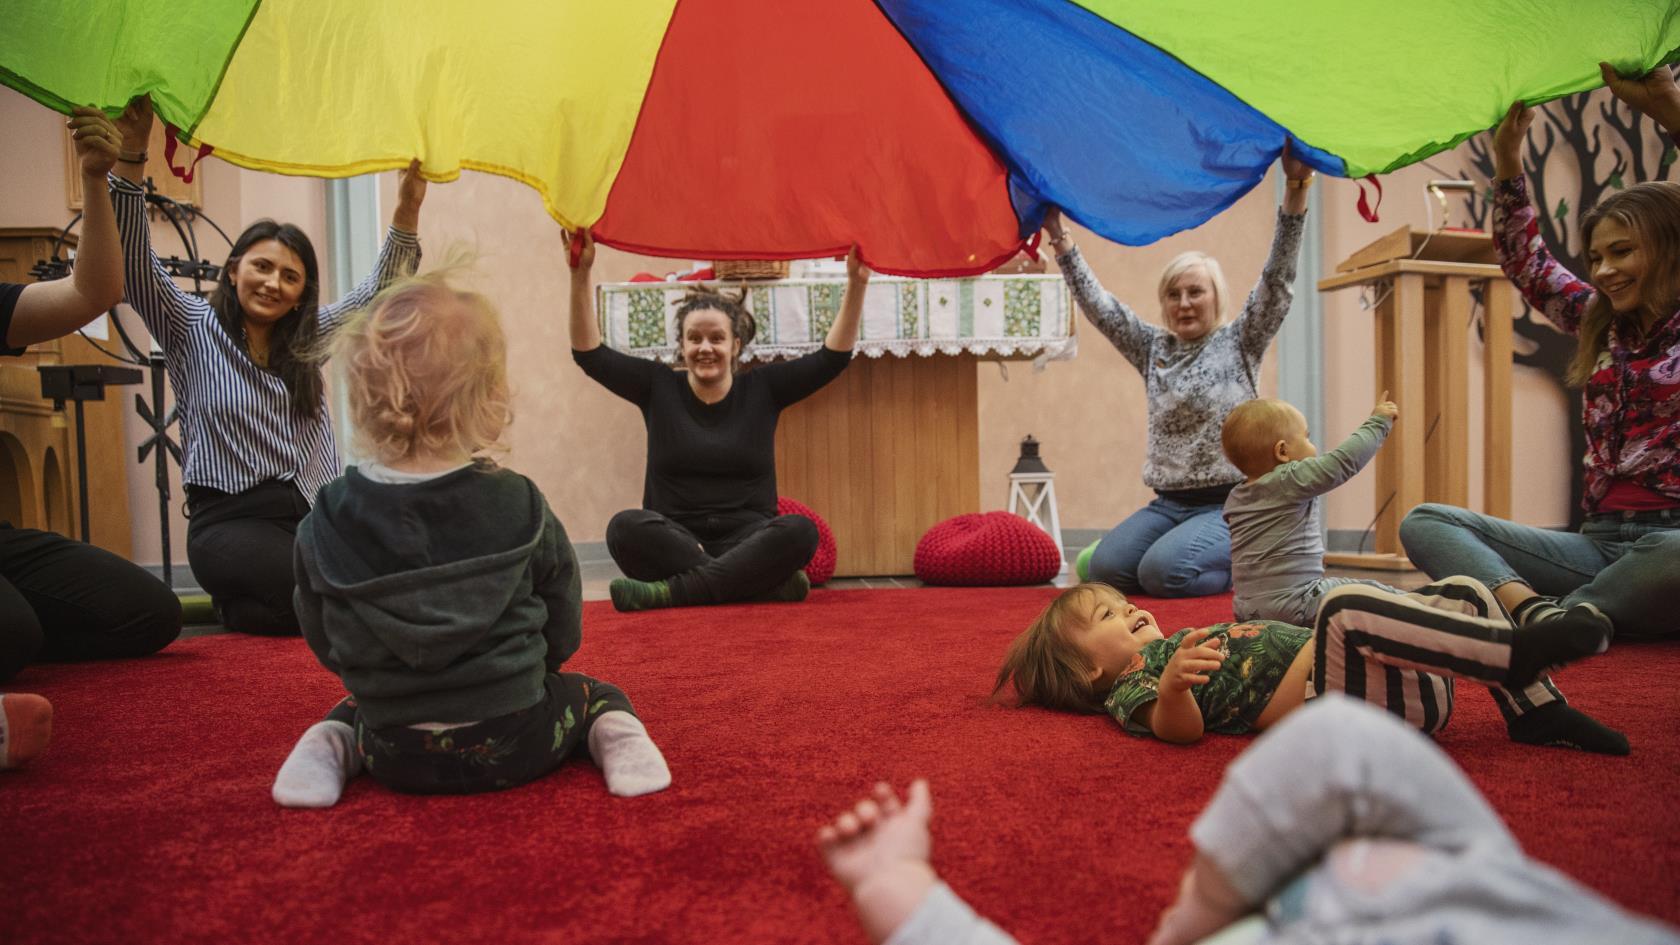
<point>149,819</point>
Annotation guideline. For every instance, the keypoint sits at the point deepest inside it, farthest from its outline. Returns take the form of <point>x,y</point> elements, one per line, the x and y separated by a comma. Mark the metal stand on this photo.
<point>159,423</point>
<point>66,384</point>
<point>81,382</point>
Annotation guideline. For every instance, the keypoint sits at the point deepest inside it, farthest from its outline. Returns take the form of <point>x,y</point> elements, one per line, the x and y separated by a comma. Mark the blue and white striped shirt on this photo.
<point>237,425</point>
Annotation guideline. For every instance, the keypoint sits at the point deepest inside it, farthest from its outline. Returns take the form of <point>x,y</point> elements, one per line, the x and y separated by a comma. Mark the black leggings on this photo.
<point>240,549</point>
<point>65,600</point>
<point>497,753</point>
<point>714,562</point>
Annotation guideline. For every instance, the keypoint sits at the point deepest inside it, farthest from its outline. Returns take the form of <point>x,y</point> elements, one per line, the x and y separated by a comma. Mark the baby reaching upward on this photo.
<point>1277,560</point>
<point>1277,541</point>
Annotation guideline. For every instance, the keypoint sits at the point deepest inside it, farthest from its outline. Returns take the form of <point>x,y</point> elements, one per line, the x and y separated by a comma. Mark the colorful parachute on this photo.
<point>930,132</point>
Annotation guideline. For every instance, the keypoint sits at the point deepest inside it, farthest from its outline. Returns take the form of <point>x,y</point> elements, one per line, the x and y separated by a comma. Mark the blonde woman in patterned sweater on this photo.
<point>1195,370</point>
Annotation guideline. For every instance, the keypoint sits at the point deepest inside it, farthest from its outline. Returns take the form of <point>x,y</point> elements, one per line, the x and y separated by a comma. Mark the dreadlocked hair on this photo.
<point>732,305</point>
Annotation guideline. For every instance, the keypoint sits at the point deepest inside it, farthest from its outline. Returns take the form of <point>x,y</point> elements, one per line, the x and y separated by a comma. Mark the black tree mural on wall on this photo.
<point>1609,145</point>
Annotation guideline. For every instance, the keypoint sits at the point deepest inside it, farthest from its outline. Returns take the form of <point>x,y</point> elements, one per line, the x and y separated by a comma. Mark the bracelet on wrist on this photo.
<point>132,157</point>
<point>1300,183</point>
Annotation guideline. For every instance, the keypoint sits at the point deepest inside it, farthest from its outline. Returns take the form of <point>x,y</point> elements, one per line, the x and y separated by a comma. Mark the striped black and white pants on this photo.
<point>1402,650</point>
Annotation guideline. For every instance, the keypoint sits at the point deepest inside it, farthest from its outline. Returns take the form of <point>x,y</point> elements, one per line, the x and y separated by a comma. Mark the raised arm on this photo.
<point>162,305</point>
<point>1269,303</point>
<point>580,258</point>
<point>398,257</point>
<point>1551,288</point>
<point>878,850</point>
<point>47,310</point>
<point>629,377</point>
<point>1113,318</point>
<point>1319,474</point>
<point>1654,93</point>
<point>842,335</point>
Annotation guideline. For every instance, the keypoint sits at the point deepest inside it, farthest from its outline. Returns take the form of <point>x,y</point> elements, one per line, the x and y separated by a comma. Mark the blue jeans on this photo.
<point>1167,549</point>
<point>1625,564</point>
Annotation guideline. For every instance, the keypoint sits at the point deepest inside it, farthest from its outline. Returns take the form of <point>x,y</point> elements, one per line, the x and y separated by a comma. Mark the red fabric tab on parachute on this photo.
<point>170,142</point>
<point>1031,248</point>
<point>1367,209</point>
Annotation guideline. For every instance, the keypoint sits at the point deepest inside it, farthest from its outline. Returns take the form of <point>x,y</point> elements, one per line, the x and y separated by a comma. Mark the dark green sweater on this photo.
<point>440,601</point>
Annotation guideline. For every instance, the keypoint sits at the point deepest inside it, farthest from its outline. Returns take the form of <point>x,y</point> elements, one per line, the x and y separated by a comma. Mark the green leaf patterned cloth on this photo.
<point>1257,655</point>
<point>1007,316</point>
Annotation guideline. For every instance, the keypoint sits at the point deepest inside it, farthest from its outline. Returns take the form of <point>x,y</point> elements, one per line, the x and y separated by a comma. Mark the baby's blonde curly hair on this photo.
<point>425,368</point>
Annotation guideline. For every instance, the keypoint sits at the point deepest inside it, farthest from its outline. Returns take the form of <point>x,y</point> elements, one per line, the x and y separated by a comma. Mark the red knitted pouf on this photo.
<point>821,567</point>
<point>990,549</point>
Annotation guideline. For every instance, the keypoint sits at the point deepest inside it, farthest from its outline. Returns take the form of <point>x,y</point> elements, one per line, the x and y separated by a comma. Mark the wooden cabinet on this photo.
<point>884,452</point>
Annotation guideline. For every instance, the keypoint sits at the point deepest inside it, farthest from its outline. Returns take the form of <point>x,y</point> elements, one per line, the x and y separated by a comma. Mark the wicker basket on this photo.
<point>733,269</point>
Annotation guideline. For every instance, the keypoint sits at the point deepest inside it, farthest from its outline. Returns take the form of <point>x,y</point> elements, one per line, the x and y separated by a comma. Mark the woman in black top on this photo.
<point>62,599</point>
<point>708,532</point>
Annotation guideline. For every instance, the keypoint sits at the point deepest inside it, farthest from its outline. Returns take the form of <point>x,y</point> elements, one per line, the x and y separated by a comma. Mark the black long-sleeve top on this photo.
<point>714,462</point>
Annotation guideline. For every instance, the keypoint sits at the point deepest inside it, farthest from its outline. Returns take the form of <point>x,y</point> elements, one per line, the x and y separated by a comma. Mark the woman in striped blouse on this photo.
<point>257,441</point>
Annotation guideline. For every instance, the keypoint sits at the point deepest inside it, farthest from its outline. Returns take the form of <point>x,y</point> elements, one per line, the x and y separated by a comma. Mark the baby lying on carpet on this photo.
<point>1092,650</point>
<point>1371,834</point>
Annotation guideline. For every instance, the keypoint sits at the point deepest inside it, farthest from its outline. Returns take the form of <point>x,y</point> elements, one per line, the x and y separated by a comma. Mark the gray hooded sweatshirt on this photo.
<point>438,601</point>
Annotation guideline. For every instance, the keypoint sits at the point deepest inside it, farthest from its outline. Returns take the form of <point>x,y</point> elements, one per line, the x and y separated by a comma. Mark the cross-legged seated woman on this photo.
<point>708,532</point>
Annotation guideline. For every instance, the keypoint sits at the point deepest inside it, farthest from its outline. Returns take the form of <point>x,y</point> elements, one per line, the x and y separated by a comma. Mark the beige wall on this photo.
<point>584,447</point>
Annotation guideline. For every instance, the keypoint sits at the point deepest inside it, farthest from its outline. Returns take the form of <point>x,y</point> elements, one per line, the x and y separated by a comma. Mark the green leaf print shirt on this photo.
<point>1257,654</point>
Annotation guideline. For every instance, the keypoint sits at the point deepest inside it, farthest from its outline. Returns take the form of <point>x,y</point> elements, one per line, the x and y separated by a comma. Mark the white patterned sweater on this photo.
<point>1191,386</point>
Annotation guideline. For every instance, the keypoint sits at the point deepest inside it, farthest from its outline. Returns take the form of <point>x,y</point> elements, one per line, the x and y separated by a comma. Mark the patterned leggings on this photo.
<point>497,753</point>
<point>1402,650</point>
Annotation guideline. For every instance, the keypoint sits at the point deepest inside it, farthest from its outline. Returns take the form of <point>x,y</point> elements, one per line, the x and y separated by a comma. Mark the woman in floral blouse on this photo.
<point>1625,561</point>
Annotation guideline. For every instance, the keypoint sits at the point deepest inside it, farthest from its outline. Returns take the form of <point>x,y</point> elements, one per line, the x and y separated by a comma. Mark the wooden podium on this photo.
<point>1423,286</point>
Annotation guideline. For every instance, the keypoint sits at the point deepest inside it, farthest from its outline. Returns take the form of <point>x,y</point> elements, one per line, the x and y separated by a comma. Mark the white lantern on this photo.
<point>1032,495</point>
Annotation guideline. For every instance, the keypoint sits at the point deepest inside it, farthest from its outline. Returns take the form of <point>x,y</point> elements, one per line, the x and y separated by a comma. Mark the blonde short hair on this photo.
<point>1252,430</point>
<point>426,370</point>
<point>1216,277</point>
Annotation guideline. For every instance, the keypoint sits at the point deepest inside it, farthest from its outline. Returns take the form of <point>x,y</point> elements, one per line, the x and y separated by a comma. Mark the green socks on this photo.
<point>790,591</point>
<point>1082,564</point>
<point>629,595</point>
